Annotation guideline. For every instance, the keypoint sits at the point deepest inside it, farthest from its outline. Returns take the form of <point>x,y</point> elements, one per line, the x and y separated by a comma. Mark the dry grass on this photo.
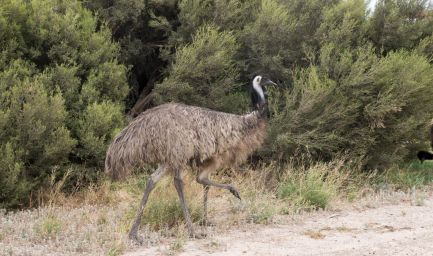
<point>258,204</point>
<point>163,212</point>
<point>314,234</point>
<point>95,220</point>
<point>315,187</point>
<point>61,231</point>
<point>49,227</point>
<point>344,229</point>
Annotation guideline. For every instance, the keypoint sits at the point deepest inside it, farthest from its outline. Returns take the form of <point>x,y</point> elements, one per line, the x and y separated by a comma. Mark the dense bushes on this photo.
<point>351,81</point>
<point>204,72</point>
<point>379,106</point>
<point>61,92</point>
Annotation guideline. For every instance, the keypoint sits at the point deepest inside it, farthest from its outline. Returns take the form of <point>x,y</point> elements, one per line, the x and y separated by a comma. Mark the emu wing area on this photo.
<point>178,134</point>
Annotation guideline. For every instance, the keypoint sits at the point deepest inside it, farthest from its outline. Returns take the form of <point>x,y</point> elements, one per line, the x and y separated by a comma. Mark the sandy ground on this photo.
<point>401,227</point>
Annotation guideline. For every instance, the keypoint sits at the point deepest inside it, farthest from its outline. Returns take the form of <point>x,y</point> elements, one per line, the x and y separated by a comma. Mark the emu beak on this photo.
<point>269,82</point>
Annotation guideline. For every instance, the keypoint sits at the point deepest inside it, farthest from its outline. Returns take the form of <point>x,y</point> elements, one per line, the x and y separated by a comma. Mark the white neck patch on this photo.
<point>258,88</point>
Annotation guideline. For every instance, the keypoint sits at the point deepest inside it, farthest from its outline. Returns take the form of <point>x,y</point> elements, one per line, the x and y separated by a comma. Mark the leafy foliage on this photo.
<point>55,68</point>
<point>204,72</point>
<point>379,106</point>
<point>400,24</point>
<point>352,81</point>
<point>142,29</point>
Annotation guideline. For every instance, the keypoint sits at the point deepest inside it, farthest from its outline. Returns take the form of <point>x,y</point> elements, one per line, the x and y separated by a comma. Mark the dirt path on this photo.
<point>388,229</point>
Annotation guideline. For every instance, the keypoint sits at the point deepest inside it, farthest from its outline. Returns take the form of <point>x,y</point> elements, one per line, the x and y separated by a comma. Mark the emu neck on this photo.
<point>258,99</point>
<point>259,91</point>
<point>255,120</point>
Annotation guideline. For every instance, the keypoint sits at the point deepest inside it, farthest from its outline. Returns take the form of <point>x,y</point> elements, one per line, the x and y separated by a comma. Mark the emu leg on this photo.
<point>206,191</point>
<point>203,178</point>
<point>153,179</point>
<point>178,183</point>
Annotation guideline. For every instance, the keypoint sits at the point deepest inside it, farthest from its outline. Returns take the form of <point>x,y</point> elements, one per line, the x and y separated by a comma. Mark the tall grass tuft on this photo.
<point>49,227</point>
<point>412,175</point>
<point>257,188</point>
<point>314,187</point>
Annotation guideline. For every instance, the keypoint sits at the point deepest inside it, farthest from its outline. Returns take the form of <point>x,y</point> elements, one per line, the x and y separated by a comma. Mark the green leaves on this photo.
<point>352,82</point>
<point>378,106</point>
<point>204,72</point>
<point>399,24</point>
<point>96,129</point>
<point>34,135</point>
<point>56,65</point>
<point>349,87</point>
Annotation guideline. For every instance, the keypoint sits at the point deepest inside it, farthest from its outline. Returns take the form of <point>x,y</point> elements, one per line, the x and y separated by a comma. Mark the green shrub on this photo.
<point>400,24</point>
<point>204,72</point>
<point>59,77</point>
<point>34,138</point>
<point>97,127</point>
<point>425,48</point>
<point>378,106</point>
<point>229,15</point>
<point>351,82</point>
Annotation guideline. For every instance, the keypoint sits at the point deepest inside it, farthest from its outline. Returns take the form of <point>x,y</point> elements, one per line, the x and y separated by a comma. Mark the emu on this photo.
<point>424,155</point>
<point>177,136</point>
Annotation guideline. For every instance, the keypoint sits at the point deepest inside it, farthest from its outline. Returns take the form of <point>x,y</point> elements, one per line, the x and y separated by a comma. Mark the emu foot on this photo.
<point>134,237</point>
<point>235,192</point>
<point>198,235</point>
<point>206,223</point>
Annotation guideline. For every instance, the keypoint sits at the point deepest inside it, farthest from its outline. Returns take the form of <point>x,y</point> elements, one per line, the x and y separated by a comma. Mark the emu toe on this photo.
<point>198,235</point>
<point>136,239</point>
<point>235,192</point>
<point>206,223</point>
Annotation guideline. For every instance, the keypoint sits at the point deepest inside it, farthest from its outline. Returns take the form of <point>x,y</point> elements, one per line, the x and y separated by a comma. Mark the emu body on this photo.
<point>177,137</point>
<point>184,136</point>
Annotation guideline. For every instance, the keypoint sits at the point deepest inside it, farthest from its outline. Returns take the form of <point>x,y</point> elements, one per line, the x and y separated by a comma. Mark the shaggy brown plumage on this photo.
<point>176,136</point>
<point>183,136</point>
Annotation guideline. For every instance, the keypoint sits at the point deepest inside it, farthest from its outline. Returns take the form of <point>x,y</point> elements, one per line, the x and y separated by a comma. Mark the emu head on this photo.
<point>258,95</point>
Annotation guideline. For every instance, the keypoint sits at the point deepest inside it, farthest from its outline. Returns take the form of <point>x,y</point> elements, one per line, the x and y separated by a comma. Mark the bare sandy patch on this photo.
<point>387,224</point>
